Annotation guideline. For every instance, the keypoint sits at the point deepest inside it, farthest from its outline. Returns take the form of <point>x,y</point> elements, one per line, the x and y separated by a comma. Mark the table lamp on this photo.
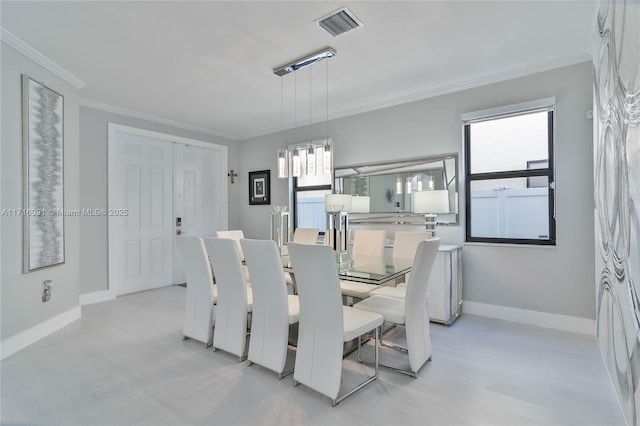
<point>431,203</point>
<point>337,207</point>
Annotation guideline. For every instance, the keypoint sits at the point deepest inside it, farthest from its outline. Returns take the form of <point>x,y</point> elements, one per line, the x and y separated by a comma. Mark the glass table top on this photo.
<point>366,269</point>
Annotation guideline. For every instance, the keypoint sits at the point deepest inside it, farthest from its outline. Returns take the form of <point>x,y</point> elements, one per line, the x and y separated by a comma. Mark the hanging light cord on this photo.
<point>327,96</point>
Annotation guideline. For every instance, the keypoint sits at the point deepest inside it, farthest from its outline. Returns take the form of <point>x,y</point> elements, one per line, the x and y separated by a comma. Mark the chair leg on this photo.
<point>295,383</point>
<point>377,364</point>
<point>377,346</point>
<point>336,401</point>
<point>396,347</point>
<point>284,374</point>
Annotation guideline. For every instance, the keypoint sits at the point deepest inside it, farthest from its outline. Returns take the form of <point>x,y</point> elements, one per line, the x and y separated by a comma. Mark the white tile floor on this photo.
<point>125,362</point>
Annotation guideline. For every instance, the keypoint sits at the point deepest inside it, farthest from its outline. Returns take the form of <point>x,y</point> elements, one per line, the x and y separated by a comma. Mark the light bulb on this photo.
<point>311,160</point>
<point>295,170</point>
<point>326,159</point>
<point>283,170</point>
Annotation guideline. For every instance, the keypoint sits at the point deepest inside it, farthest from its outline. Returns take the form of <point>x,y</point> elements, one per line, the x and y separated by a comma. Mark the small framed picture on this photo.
<point>259,187</point>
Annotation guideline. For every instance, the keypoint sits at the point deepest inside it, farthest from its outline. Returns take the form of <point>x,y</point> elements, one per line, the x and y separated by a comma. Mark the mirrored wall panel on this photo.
<point>420,186</point>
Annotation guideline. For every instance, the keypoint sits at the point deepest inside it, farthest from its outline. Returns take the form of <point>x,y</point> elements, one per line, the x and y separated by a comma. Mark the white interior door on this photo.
<point>196,189</point>
<point>140,185</point>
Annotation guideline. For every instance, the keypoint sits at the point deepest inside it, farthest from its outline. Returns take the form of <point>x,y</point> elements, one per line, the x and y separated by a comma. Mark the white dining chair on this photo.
<point>273,309</point>
<point>405,245</point>
<point>234,297</point>
<point>237,235</point>
<point>411,312</point>
<point>366,242</point>
<point>305,235</point>
<point>301,236</point>
<point>324,323</point>
<point>201,292</point>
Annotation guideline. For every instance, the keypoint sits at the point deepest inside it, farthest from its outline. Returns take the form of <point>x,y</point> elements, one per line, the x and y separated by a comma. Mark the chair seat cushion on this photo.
<point>357,322</point>
<point>355,289</point>
<point>397,292</point>
<point>391,308</point>
<point>294,308</point>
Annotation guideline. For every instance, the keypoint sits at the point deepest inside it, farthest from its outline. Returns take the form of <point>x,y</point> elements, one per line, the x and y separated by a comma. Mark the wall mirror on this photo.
<point>416,186</point>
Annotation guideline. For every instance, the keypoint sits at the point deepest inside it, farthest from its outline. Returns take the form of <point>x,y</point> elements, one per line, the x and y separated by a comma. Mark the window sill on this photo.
<point>520,246</point>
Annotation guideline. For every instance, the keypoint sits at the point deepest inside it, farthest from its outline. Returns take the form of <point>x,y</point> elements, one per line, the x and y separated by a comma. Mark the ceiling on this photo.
<point>209,64</point>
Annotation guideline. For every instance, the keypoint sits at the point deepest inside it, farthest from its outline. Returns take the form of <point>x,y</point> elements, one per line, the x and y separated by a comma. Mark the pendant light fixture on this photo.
<point>295,160</point>
<point>311,150</point>
<point>408,190</point>
<point>311,160</point>
<point>399,185</point>
<point>283,163</point>
<point>326,158</point>
<point>283,153</point>
<point>419,183</point>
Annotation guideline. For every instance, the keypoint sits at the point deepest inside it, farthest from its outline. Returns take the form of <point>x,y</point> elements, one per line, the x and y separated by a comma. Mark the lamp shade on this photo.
<point>337,202</point>
<point>360,204</point>
<point>431,201</point>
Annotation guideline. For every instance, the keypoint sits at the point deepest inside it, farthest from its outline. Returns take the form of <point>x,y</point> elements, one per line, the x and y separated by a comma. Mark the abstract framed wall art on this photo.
<point>259,187</point>
<point>617,197</point>
<point>43,175</point>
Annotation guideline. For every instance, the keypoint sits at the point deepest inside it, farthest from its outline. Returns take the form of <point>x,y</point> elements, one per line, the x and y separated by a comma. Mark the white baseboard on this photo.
<point>13,344</point>
<point>541,319</point>
<point>97,297</point>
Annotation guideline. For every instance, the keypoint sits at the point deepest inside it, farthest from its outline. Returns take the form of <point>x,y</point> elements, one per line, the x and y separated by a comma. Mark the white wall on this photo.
<point>559,280</point>
<point>93,187</point>
<point>22,306</point>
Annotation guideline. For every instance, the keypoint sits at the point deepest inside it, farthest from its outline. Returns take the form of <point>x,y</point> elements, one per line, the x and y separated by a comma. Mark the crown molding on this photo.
<point>155,119</point>
<point>468,84</point>
<point>447,88</point>
<point>37,57</point>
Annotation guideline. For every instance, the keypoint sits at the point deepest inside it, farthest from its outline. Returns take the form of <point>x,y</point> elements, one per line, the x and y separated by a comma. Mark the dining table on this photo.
<point>377,270</point>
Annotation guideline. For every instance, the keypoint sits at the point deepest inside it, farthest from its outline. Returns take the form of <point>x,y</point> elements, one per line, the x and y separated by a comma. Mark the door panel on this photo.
<point>140,243</point>
<point>196,186</point>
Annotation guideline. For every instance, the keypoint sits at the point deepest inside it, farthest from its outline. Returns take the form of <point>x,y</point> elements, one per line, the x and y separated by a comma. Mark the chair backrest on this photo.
<point>236,235</point>
<point>321,329</point>
<point>270,313</point>
<point>405,244</point>
<point>198,321</point>
<point>231,311</point>
<point>416,315</point>
<point>368,242</point>
<point>305,235</point>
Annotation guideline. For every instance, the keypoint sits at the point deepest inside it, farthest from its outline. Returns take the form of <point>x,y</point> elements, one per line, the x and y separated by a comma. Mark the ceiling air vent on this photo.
<point>339,22</point>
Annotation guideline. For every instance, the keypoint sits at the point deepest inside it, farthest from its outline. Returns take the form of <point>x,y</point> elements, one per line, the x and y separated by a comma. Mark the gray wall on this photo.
<point>93,187</point>
<point>21,294</point>
<point>554,280</point>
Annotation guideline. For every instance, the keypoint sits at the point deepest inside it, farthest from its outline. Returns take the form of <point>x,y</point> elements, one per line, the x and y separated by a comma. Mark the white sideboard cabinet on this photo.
<point>444,297</point>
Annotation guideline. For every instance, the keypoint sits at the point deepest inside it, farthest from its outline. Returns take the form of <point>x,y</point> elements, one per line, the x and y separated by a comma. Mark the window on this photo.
<point>509,174</point>
<point>308,193</point>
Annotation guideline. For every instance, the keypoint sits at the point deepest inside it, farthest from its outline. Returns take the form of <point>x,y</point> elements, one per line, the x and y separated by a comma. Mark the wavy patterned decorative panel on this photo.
<point>617,196</point>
